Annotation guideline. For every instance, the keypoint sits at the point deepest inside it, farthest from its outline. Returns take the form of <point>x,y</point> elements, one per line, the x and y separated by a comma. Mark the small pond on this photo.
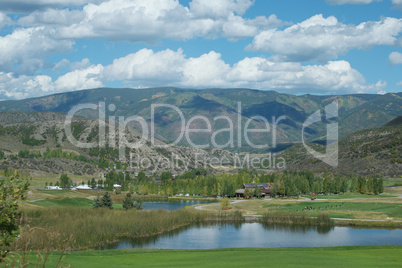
<point>229,235</point>
<point>172,205</point>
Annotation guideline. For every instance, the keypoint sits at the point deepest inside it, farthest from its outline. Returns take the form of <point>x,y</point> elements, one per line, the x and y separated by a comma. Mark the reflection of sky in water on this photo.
<point>258,235</point>
<point>171,205</point>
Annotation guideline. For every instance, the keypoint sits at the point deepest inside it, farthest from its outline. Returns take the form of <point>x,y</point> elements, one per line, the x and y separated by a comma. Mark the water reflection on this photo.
<point>230,235</point>
<point>297,228</point>
<point>172,205</point>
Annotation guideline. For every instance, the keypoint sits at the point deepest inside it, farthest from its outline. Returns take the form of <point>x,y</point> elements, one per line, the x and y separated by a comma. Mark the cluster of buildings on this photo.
<point>265,187</point>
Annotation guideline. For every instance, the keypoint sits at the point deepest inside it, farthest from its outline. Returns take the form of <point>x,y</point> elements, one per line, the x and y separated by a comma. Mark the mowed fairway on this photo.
<point>75,202</point>
<point>344,210</point>
<point>355,256</point>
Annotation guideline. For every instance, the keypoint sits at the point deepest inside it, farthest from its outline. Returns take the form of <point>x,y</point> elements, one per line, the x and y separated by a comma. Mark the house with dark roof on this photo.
<point>266,188</point>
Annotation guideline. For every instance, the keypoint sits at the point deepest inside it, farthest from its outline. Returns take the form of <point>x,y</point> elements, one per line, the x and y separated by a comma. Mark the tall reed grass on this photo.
<point>300,218</point>
<point>94,227</point>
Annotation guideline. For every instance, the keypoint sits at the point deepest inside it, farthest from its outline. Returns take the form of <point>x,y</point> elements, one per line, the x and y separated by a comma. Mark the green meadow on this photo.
<point>343,209</point>
<point>356,256</point>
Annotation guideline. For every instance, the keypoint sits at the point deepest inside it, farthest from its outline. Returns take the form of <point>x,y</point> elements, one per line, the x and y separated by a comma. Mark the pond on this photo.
<point>224,235</point>
<point>172,205</point>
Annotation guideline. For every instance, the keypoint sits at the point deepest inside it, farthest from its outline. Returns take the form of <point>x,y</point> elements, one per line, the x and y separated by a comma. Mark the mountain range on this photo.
<point>356,112</point>
<point>369,128</point>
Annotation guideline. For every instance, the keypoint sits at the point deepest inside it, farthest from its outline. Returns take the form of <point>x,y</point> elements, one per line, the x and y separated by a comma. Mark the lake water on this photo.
<point>172,205</point>
<point>209,236</point>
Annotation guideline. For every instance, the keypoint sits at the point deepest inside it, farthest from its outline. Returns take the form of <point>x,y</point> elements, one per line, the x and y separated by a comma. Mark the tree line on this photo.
<point>288,183</point>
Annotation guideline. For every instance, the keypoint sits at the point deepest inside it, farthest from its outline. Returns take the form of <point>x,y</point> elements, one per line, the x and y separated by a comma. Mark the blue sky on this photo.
<point>291,46</point>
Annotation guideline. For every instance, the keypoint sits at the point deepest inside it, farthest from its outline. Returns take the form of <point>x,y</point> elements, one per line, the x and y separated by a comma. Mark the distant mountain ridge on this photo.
<point>356,111</point>
<point>43,131</point>
<point>397,121</point>
<point>375,151</point>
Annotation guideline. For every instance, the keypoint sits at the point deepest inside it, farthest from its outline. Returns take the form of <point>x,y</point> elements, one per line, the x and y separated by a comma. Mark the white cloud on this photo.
<point>352,2</point>
<point>151,20</point>
<point>397,2</point>
<point>84,63</point>
<point>4,20</point>
<point>395,58</point>
<point>23,50</point>
<point>319,38</point>
<point>24,86</point>
<point>20,87</point>
<point>62,17</point>
<point>399,84</point>
<point>17,6</point>
<point>219,9</point>
<point>80,79</point>
<point>208,70</point>
<point>147,68</point>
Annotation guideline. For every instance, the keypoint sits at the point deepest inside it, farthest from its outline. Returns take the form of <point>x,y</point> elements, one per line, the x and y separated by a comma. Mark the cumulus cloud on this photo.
<point>399,84</point>
<point>395,58</point>
<point>147,68</point>
<point>51,17</point>
<point>397,3</point>
<point>17,6</point>
<point>219,9</point>
<point>12,87</point>
<point>23,86</point>
<point>352,2</point>
<point>4,20</point>
<point>151,20</point>
<point>80,79</point>
<point>322,39</point>
<point>23,50</point>
<point>65,63</point>
<point>54,30</point>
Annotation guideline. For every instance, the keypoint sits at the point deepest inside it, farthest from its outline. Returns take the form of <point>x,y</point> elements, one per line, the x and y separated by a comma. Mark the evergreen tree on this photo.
<point>128,202</point>
<point>97,202</point>
<point>93,183</point>
<point>107,201</point>
<point>138,205</point>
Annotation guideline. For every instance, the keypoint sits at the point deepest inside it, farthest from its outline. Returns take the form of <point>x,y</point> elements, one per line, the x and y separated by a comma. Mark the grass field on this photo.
<point>375,209</point>
<point>353,256</point>
<point>75,202</point>
<point>343,210</point>
<point>351,196</point>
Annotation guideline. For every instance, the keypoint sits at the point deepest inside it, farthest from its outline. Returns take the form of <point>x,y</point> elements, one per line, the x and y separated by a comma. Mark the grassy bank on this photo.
<point>356,256</point>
